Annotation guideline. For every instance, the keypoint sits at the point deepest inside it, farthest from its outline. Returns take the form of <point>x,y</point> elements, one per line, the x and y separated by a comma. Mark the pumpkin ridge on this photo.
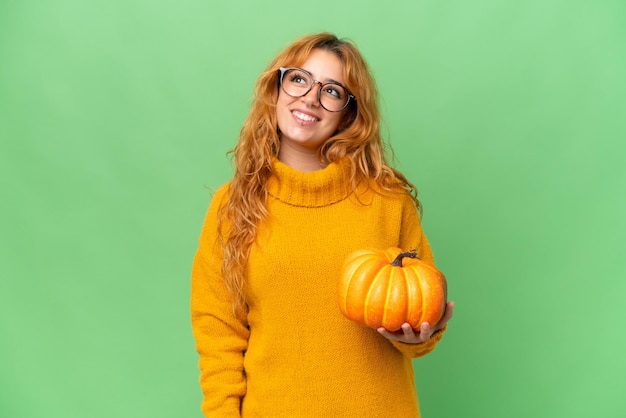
<point>358,278</point>
<point>347,272</point>
<point>387,297</point>
<point>414,291</point>
<point>373,287</point>
<point>397,277</point>
<point>345,285</point>
<point>423,298</point>
<point>349,269</point>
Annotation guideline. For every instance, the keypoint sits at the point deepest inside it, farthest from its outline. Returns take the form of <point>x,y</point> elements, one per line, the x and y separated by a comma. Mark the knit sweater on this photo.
<point>293,354</point>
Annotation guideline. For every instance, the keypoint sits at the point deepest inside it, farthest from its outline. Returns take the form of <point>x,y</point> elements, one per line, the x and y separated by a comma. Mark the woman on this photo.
<point>311,185</point>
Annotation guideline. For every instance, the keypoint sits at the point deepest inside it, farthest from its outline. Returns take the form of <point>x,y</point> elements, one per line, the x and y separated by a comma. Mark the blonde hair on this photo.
<point>358,139</point>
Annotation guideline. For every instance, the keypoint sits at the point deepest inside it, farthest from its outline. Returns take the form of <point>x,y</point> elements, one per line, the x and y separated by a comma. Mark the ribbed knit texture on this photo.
<point>294,354</point>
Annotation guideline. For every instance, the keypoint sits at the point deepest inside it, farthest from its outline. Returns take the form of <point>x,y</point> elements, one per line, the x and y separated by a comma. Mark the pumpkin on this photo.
<point>386,288</point>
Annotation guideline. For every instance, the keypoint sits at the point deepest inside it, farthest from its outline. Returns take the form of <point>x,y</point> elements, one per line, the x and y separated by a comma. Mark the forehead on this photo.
<point>324,65</point>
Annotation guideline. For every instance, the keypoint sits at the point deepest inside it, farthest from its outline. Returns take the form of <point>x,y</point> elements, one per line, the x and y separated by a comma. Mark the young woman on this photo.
<point>311,185</point>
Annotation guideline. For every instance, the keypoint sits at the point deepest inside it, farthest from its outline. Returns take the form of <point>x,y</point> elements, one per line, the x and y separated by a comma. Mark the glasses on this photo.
<point>332,96</point>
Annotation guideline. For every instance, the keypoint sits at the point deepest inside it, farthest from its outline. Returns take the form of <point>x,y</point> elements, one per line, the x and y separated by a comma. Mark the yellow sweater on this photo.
<point>294,354</point>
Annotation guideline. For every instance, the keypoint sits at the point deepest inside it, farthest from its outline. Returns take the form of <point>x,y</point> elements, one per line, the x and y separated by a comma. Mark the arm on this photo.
<point>221,336</point>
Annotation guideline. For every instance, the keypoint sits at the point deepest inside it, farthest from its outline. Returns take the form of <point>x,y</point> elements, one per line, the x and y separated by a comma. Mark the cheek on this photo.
<point>334,122</point>
<point>282,113</point>
<point>283,101</point>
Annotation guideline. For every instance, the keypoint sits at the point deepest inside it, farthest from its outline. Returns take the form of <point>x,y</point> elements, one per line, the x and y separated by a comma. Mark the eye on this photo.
<point>297,77</point>
<point>335,91</point>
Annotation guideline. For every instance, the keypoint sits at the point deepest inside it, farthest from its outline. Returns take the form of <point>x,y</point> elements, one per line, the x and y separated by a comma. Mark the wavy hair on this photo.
<point>358,139</point>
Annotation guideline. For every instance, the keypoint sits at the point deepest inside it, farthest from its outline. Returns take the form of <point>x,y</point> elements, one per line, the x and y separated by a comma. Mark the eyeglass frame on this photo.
<point>283,70</point>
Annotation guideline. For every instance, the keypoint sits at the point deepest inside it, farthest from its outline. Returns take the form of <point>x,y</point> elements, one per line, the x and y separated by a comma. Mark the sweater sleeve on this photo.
<point>413,237</point>
<point>221,336</point>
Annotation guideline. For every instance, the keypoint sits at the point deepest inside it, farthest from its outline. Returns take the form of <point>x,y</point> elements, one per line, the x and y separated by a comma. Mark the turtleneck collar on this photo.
<point>314,189</point>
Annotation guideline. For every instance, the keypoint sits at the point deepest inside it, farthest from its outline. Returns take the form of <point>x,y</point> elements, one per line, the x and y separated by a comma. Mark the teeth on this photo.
<point>304,117</point>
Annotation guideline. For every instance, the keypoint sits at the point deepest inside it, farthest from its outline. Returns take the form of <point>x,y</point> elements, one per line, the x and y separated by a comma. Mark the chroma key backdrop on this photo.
<point>115,122</point>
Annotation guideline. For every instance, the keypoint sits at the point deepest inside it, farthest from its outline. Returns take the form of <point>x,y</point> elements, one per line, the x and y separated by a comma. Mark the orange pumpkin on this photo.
<point>386,288</point>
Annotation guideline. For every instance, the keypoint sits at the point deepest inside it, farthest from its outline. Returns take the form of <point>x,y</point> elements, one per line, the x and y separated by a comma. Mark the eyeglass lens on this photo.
<point>332,96</point>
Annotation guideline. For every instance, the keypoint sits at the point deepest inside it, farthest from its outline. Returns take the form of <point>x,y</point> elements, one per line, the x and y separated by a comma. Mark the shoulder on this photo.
<point>222,191</point>
<point>395,193</point>
<point>220,196</point>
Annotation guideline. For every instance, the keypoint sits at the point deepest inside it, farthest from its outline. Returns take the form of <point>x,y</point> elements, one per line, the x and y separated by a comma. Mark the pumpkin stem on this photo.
<point>398,261</point>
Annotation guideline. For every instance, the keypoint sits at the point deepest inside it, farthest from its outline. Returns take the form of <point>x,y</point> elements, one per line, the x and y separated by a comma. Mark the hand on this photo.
<point>408,335</point>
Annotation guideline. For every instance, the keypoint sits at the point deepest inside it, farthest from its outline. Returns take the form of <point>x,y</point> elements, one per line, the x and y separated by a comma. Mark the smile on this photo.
<point>304,117</point>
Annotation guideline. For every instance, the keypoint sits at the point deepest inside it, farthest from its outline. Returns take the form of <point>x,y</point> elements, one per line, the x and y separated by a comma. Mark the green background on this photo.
<point>115,120</point>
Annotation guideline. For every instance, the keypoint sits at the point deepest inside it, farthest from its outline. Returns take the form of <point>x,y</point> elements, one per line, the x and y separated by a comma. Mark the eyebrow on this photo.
<point>328,80</point>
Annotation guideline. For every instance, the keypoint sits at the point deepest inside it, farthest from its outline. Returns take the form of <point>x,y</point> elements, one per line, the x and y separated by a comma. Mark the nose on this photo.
<point>312,97</point>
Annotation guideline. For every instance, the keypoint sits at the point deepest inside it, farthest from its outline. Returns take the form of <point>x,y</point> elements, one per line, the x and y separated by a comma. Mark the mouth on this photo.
<point>304,118</point>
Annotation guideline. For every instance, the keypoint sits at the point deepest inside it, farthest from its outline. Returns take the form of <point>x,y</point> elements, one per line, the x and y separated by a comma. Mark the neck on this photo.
<point>304,160</point>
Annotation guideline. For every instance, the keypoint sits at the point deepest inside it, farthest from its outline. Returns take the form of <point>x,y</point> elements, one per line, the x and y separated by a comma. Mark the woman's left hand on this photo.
<point>409,336</point>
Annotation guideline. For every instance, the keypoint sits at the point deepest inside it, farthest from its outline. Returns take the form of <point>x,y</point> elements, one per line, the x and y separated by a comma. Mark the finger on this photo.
<point>449,309</point>
<point>408,331</point>
<point>425,332</point>
<point>383,331</point>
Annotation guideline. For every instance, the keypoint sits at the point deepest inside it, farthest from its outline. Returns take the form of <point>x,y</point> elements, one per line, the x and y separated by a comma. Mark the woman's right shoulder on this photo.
<point>218,199</point>
<point>222,190</point>
<point>219,196</point>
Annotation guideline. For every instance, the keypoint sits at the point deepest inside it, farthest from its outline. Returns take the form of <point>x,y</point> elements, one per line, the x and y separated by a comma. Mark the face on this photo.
<point>304,124</point>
